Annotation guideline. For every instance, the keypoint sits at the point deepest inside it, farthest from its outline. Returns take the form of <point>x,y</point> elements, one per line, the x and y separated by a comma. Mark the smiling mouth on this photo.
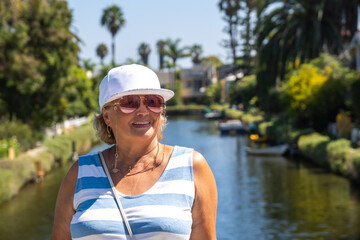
<point>141,124</point>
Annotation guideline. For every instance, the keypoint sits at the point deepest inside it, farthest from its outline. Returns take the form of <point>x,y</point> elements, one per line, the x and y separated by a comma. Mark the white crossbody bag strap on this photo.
<point>117,198</point>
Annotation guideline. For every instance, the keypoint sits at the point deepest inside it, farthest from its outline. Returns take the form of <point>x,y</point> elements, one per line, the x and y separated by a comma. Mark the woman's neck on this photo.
<point>130,152</point>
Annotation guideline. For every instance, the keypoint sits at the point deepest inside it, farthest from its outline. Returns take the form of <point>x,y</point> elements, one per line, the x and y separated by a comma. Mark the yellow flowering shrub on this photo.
<point>315,91</point>
<point>303,86</point>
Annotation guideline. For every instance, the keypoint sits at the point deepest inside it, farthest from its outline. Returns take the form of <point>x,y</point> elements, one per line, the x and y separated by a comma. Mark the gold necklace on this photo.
<point>129,168</point>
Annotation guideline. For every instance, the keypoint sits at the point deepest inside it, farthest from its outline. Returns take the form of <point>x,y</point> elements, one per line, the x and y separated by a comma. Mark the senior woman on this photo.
<point>137,188</point>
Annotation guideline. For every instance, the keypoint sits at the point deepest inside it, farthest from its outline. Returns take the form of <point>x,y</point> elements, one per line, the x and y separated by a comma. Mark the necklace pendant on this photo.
<point>115,170</point>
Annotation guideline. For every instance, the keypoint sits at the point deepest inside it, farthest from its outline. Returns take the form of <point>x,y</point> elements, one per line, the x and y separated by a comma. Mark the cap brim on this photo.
<point>165,93</point>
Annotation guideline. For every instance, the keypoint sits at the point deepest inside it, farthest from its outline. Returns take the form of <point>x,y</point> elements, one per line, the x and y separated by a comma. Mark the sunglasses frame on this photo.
<point>162,107</point>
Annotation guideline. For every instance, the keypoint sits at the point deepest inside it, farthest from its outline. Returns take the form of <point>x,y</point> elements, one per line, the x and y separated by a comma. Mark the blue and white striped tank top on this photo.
<point>162,212</point>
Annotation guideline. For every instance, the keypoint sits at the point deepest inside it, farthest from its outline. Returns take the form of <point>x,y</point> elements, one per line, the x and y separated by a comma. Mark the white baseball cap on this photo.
<point>130,80</point>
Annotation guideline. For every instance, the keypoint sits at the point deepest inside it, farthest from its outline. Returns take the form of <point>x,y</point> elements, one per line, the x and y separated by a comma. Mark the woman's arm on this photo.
<point>64,210</point>
<point>204,208</point>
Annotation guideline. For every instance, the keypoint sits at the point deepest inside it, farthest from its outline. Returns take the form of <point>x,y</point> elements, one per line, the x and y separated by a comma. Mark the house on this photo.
<point>228,75</point>
<point>167,79</point>
<point>195,80</point>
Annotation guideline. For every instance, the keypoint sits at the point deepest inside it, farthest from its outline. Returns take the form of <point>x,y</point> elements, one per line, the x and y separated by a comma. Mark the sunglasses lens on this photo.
<point>129,104</point>
<point>155,103</point>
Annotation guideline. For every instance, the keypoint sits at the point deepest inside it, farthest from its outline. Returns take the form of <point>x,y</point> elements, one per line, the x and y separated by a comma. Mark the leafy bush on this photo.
<point>336,152</point>
<point>243,91</point>
<point>5,144</point>
<point>313,146</point>
<point>355,97</point>
<point>7,188</point>
<point>213,93</point>
<point>282,130</point>
<point>354,157</point>
<point>254,115</point>
<point>14,173</point>
<point>234,114</point>
<point>316,90</point>
<point>176,100</point>
<point>61,147</point>
<point>22,132</point>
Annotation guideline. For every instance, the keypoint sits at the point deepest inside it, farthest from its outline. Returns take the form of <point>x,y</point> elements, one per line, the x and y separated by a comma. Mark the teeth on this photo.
<point>142,123</point>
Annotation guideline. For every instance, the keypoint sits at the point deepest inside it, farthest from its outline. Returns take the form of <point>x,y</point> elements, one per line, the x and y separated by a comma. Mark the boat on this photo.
<point>234,126</point>
<point>257,138</point>
<point>278,150</point>
<point>213,115</point>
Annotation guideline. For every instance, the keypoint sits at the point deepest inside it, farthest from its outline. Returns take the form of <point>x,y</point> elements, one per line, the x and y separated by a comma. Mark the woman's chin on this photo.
<point>146,133</point>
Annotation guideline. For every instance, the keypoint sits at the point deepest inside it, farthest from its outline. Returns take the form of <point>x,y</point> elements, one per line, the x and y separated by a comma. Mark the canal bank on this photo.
<point>337,155</point>
<point>31,166</point>
<point>259,198</point>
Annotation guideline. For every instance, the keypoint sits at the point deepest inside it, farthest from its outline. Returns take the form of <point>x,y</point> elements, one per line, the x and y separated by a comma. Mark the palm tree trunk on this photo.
<point>161,61</point>
<point>113,49</point>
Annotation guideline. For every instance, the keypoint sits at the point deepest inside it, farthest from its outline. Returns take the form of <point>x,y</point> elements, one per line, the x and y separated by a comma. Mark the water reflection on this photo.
<point>258,198</point>
<point>271,198</point>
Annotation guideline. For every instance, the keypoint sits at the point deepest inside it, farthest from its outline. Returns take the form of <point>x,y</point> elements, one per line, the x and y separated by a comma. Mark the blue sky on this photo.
<point>193,21</point>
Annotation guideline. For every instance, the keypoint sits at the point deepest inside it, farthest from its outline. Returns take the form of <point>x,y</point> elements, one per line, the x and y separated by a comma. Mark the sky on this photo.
<point>192,21</point>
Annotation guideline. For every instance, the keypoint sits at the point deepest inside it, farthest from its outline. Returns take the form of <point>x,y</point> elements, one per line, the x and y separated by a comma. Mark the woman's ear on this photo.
<point>106,116</point>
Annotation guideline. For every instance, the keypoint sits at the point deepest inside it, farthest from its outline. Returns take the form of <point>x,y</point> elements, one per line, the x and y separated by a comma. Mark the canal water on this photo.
<point>259,198</point>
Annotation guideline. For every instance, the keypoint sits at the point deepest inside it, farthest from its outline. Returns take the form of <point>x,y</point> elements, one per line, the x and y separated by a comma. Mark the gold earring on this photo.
<point>108,129</point>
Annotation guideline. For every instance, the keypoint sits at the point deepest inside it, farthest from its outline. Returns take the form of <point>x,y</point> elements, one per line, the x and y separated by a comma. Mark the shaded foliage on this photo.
<point>230,9</point>
<point>243,91</point>
<point>316,91</point>
<point>294,30</point>
<point>37,52</point>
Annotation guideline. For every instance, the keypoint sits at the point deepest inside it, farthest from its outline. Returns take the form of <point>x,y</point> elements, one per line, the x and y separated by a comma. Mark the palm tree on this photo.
<point>113,19</point>
<point>88,65</point>
<point>144,51</point>
<point>161,51</point>
<point>101,51</point>
<point>247,35</point>
<point>297,30</point>
<point>294,31</point>
<point>231,17</point>
<point>173,51</point>
<point>196,51</point>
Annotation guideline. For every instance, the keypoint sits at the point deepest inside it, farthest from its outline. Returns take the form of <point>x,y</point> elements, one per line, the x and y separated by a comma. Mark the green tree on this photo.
<point>212,60</point>
<point>231,17</point>
<point>174,51</point>
<point>88,65</point>
<point>243,91</point>
<point>160,45</point>
<point>144,51</point>
<point>113,19</point>
<point>355,96</point>
<point>101,52</point>
<point>77,97</point>
<point>248,34</point>
<point>196,52</point>
<point>37,51</point>
<point>213,93</point>
<point>293,30</point>
<point>316,91</point>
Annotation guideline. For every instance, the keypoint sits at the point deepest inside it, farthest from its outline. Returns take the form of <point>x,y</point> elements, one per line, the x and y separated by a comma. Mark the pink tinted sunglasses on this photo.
<point>130,103</point>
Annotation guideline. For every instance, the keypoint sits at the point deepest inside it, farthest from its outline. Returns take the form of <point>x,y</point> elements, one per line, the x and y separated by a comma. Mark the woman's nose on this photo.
<point>142,108</point>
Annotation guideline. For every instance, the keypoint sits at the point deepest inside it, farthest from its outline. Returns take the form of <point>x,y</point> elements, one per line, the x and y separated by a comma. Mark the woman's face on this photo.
<point>142,124</point>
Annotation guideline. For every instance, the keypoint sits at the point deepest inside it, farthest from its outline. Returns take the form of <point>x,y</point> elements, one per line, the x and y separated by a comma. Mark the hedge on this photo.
<point>336,155</point>
<point>21,170</point>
